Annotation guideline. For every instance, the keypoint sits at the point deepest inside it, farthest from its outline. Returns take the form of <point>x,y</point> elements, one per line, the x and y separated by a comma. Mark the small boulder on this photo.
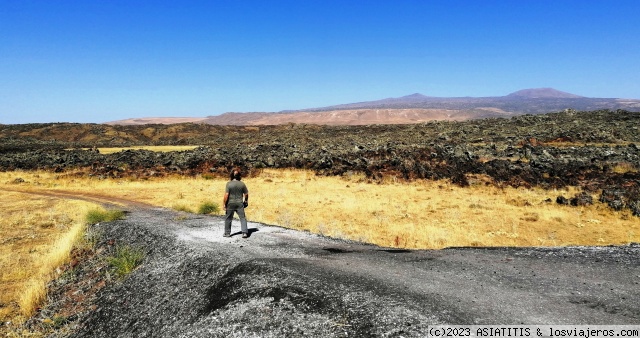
<point>581,199</point>
<point>562,200</point>
<point>614,198</point>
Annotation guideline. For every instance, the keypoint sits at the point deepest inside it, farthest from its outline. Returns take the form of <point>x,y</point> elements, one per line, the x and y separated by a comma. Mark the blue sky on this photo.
<point>99,61</point>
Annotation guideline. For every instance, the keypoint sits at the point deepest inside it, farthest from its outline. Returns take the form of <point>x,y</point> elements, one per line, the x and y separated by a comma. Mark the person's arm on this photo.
<point>246,199</point>
<point>225,200</point>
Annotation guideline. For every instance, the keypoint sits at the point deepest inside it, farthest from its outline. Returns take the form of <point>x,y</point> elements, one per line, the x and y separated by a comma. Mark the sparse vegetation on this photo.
<point>100,215</point>
<point>208,207</point>
<point>182,207</point>
<point>125,260</point>
<point>90,240</point>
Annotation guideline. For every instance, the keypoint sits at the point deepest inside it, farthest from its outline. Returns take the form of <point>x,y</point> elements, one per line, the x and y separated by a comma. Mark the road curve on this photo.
<point>281,282</point>
<point>195,283</point>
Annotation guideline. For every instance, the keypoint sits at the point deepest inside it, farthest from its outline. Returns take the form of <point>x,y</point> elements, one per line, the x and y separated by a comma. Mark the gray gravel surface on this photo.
<point>280,282</point>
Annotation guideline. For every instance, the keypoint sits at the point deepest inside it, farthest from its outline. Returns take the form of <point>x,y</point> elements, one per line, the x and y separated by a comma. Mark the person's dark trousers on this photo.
<point>233,207</point>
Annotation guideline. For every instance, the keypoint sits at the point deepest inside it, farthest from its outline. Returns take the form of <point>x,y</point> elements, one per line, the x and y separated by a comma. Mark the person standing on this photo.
<point>236,198</point>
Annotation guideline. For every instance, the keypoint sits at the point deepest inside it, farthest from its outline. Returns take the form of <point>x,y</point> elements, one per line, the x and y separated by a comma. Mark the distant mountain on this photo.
<point>158,120</point>
<point>417,108</point>
<point>409,99</point>
<point>355,116</point>
<point>526,101</point>
<point>543,93</point>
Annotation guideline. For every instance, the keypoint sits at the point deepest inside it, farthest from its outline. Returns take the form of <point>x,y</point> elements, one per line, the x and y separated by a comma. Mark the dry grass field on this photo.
<point>36,237</point>
<point>37,232</point>
<point>419,214</point>
<point>151,148</point>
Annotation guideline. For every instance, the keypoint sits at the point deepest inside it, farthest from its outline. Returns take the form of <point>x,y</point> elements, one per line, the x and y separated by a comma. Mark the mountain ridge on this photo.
<point>543,93</point>
<point>414,108</point>
<point>531,93</point>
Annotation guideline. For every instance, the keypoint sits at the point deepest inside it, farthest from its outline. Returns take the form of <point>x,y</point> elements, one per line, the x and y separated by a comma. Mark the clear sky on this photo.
<point>98,61</point>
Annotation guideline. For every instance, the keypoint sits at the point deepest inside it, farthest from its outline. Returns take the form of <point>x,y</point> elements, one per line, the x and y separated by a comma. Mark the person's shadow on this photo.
<point>249,232</point>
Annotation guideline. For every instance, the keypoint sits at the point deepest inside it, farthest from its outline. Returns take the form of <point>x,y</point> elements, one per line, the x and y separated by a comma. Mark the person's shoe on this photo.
<point>226,235</point>
<point>245,235</point>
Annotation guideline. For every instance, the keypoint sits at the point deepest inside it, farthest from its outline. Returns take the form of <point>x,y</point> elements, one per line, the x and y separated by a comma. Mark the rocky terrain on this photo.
<point>279,282</point>
<point>598,151</point>
<point>285,283</point>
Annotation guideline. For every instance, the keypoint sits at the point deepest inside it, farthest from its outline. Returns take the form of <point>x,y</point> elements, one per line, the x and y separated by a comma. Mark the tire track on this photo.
<point>105,200</point>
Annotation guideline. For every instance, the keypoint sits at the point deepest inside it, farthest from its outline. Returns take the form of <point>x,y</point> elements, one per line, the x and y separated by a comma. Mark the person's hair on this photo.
<point>235,174</point>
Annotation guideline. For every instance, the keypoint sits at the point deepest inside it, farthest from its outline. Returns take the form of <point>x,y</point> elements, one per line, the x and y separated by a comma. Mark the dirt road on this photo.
<point>279,282</point>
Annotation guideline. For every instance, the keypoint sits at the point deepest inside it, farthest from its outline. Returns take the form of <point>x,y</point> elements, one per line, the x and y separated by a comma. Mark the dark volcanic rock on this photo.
<point>562,200</point>
<point>524,151</point>
<point>635,207</point>
<point>615,198</point>
<point>581,199</point>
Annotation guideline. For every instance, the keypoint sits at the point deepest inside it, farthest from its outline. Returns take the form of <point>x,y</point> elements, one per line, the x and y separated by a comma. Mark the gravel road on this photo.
<point>280,282</point>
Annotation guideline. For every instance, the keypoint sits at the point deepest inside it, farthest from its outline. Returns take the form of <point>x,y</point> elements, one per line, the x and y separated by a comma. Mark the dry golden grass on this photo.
<point>36,237</point>
<point>625,167</point>
<point>427,214</point>
<point>152,148</point>
<point>419,214</point>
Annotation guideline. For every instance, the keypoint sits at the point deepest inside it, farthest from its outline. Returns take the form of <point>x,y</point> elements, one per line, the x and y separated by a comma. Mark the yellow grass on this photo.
<point>427,214</point>
<point>420,214</point>
<point>625,167</point>
<point>152,148</point>
<point>36,237</point>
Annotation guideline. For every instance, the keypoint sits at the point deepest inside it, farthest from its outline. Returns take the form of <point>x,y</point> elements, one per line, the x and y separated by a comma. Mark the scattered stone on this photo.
<point>635,207</point>
<point>581,199</point>
<point>562,200</point>
<point>614,198</point>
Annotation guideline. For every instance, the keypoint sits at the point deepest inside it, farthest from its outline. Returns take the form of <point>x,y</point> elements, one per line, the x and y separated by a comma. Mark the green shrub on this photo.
<point>114,215</point>
<point>182,207</point>
<point>125,260</point>
<point>100,215</point>
<point>208,207</point>
<point>89,240</point>
<point>56,322</point>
